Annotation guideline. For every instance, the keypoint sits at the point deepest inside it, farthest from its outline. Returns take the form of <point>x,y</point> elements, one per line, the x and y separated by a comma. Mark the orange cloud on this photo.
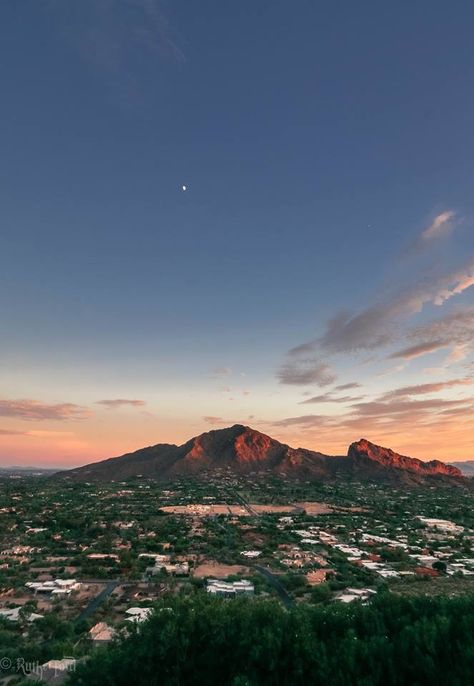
<point>35,410</point>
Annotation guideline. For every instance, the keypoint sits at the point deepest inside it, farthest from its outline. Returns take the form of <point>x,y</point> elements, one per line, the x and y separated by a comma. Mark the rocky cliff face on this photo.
<point>365,450</point>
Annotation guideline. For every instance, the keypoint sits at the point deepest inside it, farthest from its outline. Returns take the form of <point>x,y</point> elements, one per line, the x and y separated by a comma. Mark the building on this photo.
<point>101,633</point>
<point>227,589</point>
<point>13,615</point>
<point>138,614</point>
<point>58,587</point>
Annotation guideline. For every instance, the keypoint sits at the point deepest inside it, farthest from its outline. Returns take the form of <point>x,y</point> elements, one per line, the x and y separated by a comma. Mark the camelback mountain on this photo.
<point>243,449</point>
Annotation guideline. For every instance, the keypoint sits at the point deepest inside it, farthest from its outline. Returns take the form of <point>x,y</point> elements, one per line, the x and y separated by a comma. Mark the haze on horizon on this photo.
<point>314,280</point>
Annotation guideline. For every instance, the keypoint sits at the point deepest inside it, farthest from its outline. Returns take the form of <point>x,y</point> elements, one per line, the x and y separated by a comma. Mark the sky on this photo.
<point>315,280</point>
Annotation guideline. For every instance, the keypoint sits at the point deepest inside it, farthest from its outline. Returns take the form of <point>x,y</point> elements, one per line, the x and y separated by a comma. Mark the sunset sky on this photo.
<point>316,278</point>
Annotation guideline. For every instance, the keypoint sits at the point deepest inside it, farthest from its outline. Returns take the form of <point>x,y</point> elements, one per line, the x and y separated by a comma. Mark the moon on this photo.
<point>184,188</point>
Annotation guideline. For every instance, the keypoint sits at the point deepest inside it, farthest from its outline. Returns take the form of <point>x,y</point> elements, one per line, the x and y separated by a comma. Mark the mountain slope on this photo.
<point>243,449</point>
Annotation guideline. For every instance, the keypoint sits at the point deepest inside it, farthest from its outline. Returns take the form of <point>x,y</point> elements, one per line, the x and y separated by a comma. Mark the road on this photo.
<point>241,500</point>
<point>98,600</point>
<point>277,585</point>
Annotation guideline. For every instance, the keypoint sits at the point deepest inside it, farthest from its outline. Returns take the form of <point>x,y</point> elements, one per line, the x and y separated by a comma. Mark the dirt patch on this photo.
<point>313,508</point>
<point>271,509</point>
<point>198,510</point>
<point>219,571</point>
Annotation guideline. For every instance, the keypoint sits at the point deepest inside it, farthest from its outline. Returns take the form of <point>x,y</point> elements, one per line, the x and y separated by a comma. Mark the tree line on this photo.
<point>393,641</point>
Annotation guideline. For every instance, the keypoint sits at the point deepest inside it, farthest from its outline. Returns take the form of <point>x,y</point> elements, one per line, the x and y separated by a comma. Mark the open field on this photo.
<point>217,570</point>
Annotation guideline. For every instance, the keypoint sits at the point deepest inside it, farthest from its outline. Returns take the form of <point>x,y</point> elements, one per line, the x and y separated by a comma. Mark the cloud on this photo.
<point>458,352</point>
<point>10,432</point>
<point>417,350</point>
<point>209,419</point>
<point>347,386</point>
<point>392,408</point>
<point>440,226</point>
<point>120,402</point>
<point>305,420</point>
<point>421,389</point>
<point>330,398</point>
<point>371,328</point>
<point>35,410</point>
<point>379,324</point>
<point>454,330</point>
<point>304,372</point>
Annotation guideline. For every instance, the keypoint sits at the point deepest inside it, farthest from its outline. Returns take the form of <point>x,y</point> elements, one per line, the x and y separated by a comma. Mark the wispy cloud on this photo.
<point>120,402</point>
<point>11,432</point>
<point>35,410</point>
<point>379,325</point>
<point>348,386</point>
<point>312,420</point>
<point>421,389</point>
<point>330,398</point>
<point>404,406</point>
<point>304,372</point>
<point>371,328</point>
<point>417,350</point>
<point>441,225</point>
<point>454,330</point>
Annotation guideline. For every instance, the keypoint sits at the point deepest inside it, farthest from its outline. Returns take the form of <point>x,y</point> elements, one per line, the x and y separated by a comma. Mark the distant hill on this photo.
<point>467,467</point>
<point>244,450</point>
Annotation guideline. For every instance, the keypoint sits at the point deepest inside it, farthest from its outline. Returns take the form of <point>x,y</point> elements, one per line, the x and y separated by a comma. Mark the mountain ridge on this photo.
<point>243,449</point>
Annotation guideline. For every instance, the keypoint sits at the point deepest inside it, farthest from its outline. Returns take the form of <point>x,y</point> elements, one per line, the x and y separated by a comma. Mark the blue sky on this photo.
<point>319,142</point>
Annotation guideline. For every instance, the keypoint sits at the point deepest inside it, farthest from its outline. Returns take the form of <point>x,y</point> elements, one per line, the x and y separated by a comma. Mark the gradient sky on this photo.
<point>316,278</point>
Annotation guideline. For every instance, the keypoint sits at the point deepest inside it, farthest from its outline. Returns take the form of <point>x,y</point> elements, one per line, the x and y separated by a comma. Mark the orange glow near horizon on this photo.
<point>447,439</point>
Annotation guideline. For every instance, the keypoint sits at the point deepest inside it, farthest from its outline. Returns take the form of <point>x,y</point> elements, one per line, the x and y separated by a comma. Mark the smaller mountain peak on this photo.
<point>364,449</point>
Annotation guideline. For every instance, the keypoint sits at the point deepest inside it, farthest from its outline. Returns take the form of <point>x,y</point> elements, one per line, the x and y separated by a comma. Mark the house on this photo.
<point>286,520</point>
<point>179,568</point>
<point>55,671</point>
<point>58,587</point>
<point>138,614</point>
<point>352,594</point>
<point>230,589</point>
<point>103,556</point>
<point>101,633</point>
<point>317,576</point>
<point>13,615</point>
<point>251,554</point>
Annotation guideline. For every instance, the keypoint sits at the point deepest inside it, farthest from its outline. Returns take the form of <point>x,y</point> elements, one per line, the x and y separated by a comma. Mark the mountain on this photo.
<point>238,447</point>
<point>466,467</point>
<point>243,449</point>
<point>364,450</point>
